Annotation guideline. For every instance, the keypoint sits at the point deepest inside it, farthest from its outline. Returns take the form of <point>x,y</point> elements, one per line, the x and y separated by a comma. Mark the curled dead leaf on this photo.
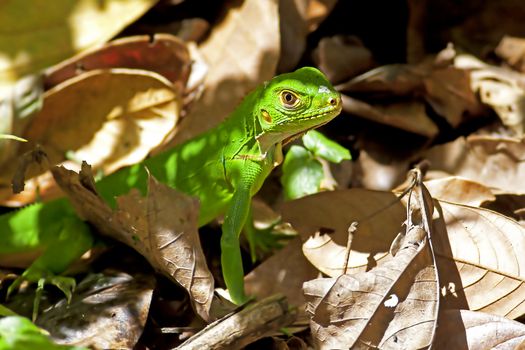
<point>496,162</point>
<point>237,63</point>
<point>161,226</point>
<point>110,118</point>
<point>459,190</point>
<point>394,305</point>
<point>47,37</point>
<point>164,54</point>
<point>478,251</point>
<point>464,329</point>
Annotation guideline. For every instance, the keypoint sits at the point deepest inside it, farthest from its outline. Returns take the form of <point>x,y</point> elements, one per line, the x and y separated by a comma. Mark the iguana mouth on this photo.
<point>299,134</point>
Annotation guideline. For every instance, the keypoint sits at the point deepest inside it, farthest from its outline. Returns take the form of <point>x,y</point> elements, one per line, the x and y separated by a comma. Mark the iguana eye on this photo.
<point>289,99</point>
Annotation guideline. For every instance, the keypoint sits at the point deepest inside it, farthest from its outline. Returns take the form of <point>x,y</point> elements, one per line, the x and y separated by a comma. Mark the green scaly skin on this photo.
<point>223,167</point>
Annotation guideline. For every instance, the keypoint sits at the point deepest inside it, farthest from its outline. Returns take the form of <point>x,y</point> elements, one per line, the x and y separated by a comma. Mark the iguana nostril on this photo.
<point>332,101</point>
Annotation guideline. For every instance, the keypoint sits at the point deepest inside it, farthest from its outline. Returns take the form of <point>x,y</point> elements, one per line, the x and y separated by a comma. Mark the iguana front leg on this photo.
<point>231,259</point>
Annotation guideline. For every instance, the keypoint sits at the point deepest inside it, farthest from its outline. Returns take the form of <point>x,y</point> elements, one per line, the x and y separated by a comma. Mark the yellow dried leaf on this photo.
<point>35,35</point>
<point>110,118</point>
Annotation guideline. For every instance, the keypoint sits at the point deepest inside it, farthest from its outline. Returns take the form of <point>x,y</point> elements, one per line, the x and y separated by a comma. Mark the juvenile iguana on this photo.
<point>223,167</point>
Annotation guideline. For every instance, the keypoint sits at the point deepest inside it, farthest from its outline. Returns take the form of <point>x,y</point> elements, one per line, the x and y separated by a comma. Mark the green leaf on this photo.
<point>19,333</point>
<point>4,311</point>
<point>302,173</point>
<point>325,148</point>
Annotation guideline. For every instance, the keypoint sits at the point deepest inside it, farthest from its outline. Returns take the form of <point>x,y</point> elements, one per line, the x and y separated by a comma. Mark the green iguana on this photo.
<point>224,168</point>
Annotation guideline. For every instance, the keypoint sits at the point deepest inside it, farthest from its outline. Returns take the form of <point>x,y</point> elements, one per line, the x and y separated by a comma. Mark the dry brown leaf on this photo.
<point>496,162</point>
<point>480,260</point>
<point>388,307</point>
<point>161,226</point>
<point>108,311</point>
<point>459,190</point>
<point>165,225</point>
<point>470,330</point>
<point>394,305</point>
<point>242,51</point>
<point>330,213</point>
<point>445,87</point>
<point>111,118</point>
<point>482,24</point>
<point>18,103</point>
<point>512,51</point>
<point>342,57</point>
<point>449,92</point>
<point>283,273</point>
<point>409,116</point>
<point>164,54</point>
<point>501,89</point>
<point>297,18</point>
<point>392,79</point>
<point>41,36</point>
<point>479,252</point>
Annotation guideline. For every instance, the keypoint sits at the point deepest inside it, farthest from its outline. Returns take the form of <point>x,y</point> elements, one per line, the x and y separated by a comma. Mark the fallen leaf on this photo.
<point>478,251</point>
<point>111,118</point>
<point>282,273</point>
<point>165,226</point>
<point>108,311</point>
<point>459,190</point>
<point>394,305</point>
<point>449,92</point>
<point>496,162</point>
<point>501,89</point>
<point>383,161</point>
<point>480,260</point>
<point>18,103</point>
<point>437,81</point>
<point>297,18</point>
<point>332,213</point>
<point>162,53</point>
<point>237,63</point>
<point>46,35</point>
<point>161,226</point>
<point>342,57</point>
<point>409,116</point>
<point>470,330</point>
<point>512,51</point>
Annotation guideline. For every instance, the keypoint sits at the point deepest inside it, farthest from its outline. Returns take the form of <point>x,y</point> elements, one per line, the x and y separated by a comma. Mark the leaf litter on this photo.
<point>426,104</point>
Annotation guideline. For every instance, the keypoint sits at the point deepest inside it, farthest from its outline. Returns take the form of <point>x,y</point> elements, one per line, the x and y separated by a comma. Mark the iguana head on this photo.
<point>293,103</point>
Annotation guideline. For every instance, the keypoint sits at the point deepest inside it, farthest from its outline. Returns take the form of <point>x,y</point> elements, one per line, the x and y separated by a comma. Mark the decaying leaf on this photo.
<point>162,53</point>
<point>459,190</point>
<point>322,220</point>
<point>108,311</point>
<point>512,50</point>
<point>444,86</point>
<point>41,38</point>
<point>161,226</point>
<point>283,273</point>
<point>110,118</point>
<point>342,57</point>
<point>237,63</point>
<point>496,162</point>
<point>18,103</point>
<point>410,116</point>
<point>478,251</point>
<point>501,89</point>
<point>297,18</point>
<point>394,305</point>
<point>470,330</point>
<point>480,260</point>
